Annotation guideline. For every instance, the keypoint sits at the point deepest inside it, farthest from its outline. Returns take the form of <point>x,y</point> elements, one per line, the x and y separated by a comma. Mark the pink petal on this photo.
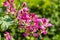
<point>35,35</point>
<point>25,34</point>
<point>49,24</point>
<point>42,27</point>
<point>44,32</point>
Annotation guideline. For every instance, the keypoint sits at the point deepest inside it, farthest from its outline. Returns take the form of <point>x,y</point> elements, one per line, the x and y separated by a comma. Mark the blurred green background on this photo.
<point>44,8</point>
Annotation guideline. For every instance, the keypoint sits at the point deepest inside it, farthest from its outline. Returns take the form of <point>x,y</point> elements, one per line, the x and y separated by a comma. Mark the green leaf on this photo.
<point>13,39</point>
<point>22,30</point>
<point>1,2</point>
<point>56,37</point>
<point>2,9</point>
<point>27,37</point>
<point>46,38</point>
<point>32,38</point>
<point>5,22</point>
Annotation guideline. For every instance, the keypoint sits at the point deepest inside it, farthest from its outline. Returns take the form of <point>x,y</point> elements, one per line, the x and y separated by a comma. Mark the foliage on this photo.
<point>44,8</point>
<point>5,22</point>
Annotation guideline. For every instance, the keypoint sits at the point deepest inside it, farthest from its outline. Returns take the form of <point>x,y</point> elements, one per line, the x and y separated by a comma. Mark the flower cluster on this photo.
<point>9,4</point>
<point>8,36</point>
<point>31,23</point>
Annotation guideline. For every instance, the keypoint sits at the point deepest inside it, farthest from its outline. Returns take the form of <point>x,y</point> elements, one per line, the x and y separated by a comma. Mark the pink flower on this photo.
<point>9,4</point>
<point>12,10</point>
<point>32,15</point>
<point>32,23</point>
<point>8,36</point>
<point>49,24</point>
<point>25,34</point>
<point>10,1</point>
<point>28,20</point>
<point>6,33</point>
<point>20,12</point>
<point>35,35</point>
<point>5,4</point>
<point>42,27</point>
<point>45,22</point>
<point>25,9</point>
<point>24,4</point>
<point>30,28</point>
<point>35,29</point>
<point>44,32</point>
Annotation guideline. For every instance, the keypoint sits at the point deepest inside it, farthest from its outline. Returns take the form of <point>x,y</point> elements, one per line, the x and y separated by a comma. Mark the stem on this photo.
<point>0,36</point>
<point>41,37</point>
<point>36,38</point>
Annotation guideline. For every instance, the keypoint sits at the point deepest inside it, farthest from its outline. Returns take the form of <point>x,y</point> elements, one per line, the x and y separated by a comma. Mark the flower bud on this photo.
<point>24,4</point>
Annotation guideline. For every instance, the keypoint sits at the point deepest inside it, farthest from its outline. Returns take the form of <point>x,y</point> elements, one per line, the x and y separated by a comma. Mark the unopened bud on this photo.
<point>24,4</point>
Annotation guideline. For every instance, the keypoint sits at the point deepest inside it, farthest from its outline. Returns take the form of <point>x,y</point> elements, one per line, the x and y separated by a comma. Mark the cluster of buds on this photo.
<point>31,23</point>
<point>8,36</point>
<point>9,4</point>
